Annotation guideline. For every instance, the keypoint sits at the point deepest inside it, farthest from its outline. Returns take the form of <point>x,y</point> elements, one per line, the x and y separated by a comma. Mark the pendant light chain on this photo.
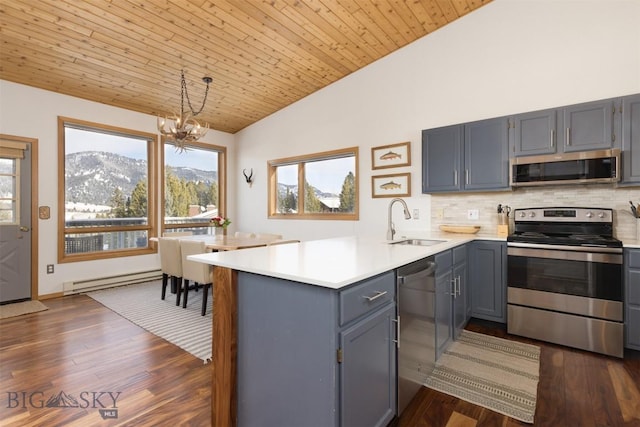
<point>184,92</point>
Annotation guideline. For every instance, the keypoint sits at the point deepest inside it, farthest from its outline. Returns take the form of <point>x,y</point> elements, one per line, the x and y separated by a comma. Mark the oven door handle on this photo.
<point>592,248</point>
<point>569,253</point>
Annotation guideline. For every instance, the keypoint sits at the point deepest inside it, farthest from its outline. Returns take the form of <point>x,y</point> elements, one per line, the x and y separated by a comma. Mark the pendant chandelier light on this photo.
<point>184,129</point>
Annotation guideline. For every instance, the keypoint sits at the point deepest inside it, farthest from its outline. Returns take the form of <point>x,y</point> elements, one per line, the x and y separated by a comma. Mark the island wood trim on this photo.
<point>225,347</point>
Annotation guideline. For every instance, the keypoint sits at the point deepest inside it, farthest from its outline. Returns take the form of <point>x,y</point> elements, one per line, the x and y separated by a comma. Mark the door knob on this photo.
<point>24,228</point>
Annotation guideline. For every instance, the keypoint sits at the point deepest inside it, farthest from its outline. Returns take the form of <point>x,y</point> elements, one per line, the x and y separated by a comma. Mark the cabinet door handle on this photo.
<point>376,296</point>
<point>567,141</point>
<point>466,176</point>
<point>455,177</point>
<point>458,286</point>
<point>397,340</point>
<point>453,288</point>
<point>552,137</point>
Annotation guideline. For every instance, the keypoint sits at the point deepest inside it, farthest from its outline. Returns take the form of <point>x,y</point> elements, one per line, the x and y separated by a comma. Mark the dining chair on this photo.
<point>269,236</point>
<point>244,234</point>
<point>197,272</point>
<point>171,265</point>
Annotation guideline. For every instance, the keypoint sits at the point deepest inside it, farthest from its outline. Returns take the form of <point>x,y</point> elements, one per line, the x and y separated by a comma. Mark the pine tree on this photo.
<point>311,202</point>
<point>348,194</point>
<point>213,193</point>
<point>118,209</point>
<point>138,206</point>
<point>288,203</point>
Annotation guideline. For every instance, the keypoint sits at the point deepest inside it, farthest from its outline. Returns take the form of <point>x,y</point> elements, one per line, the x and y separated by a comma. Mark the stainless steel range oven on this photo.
<point>565,278</point>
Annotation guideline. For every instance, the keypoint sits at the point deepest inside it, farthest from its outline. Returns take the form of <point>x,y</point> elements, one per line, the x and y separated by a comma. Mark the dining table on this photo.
<point>226,243</point>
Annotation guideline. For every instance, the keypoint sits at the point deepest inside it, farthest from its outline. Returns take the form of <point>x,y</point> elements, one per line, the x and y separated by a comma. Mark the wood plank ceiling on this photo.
<point>262,55</point>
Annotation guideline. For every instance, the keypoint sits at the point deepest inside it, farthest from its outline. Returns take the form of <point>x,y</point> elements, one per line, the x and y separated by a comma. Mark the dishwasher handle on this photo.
<point>420,275</point>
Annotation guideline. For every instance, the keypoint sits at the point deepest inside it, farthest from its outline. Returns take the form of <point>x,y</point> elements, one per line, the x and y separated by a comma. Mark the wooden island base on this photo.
<point>225,347</point>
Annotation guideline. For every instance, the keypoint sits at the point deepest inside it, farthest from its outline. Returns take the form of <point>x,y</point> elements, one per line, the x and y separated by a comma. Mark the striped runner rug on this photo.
<point>491,372</point>
<point>141,304</point>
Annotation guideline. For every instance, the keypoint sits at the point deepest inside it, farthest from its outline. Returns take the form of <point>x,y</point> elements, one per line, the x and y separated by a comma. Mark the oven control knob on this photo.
<point>601,215</point>
<point>522,214</point>
<point>532,214</point>
<point>589,214</point>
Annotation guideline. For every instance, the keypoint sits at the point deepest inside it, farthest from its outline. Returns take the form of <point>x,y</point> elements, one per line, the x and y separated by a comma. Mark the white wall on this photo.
<point>33,113</point>
<point>507,57</point>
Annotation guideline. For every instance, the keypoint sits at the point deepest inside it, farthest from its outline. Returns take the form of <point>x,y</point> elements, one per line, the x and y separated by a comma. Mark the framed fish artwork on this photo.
<point>391,156</point>
<point>394,185</point>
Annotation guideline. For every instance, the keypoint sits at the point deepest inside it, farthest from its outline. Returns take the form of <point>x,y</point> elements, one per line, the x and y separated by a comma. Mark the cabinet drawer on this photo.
<point>633,258</point>
<point>459,254</point>
<point>444,261</point>
<point>366,296</point>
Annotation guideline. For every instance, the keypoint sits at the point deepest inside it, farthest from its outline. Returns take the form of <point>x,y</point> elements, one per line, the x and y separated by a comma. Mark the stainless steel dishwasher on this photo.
<point>416,290</point>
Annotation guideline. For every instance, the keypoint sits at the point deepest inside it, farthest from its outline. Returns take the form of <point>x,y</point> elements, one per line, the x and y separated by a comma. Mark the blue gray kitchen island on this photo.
<point>303,333</point>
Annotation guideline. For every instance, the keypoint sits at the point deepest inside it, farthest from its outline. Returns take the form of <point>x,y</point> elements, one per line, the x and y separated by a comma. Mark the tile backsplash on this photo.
<point>452,208</point>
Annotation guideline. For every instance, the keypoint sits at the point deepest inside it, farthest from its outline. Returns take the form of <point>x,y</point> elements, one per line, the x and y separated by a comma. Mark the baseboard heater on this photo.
<point>88,285</point>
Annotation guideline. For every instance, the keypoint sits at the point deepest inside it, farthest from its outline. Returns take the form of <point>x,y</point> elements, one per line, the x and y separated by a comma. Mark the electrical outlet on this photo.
<point>473,214</point>
<point>49,268</point>
<point>416,214</point>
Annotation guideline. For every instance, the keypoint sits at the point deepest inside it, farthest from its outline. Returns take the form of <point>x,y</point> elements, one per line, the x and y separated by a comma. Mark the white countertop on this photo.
<point>631,244</point>
<point>331,263</point>
<point>338,262</point>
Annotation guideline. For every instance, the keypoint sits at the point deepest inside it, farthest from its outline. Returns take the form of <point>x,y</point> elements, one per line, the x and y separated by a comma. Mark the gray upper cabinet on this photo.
<point>588,126</point>
<point>580,127</point>
<point>535,133</point>
<point>486,154</point>
<point>468,157</point>
<point>631,139</point>
<point>441,159</point>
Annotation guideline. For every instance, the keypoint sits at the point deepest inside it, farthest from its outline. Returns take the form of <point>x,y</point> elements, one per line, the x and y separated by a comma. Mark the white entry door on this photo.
<point>15,221</point>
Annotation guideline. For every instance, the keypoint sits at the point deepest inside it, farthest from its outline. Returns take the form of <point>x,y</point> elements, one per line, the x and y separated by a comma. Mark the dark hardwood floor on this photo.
<point>576,389</point>
<point>84,350</point>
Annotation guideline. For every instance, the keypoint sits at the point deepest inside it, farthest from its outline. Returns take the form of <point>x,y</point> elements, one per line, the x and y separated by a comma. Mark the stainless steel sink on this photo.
<point>417,242</point>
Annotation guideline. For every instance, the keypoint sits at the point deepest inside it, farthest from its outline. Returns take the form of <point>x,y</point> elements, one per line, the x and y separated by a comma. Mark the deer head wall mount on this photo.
<point>249,177</point>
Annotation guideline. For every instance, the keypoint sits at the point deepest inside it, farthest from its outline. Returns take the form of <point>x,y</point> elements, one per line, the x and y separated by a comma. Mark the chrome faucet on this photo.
<point>391,230</point>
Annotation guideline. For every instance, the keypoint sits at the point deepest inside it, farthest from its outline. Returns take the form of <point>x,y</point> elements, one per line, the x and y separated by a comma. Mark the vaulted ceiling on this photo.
<point>262,55</point>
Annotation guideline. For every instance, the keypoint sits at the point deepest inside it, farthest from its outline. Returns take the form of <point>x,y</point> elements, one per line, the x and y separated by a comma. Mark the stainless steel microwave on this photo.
<point>568,168</point>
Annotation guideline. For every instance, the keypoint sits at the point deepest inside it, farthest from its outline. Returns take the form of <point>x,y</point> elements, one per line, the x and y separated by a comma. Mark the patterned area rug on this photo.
<point>20,308</point>
<point>141,304</point>
<point>491,372</point>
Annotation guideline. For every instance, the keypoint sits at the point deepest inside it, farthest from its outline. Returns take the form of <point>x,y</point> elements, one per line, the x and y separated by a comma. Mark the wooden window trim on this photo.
<point>222,184</point>
<point>272,192</point>
<point>151,226</point>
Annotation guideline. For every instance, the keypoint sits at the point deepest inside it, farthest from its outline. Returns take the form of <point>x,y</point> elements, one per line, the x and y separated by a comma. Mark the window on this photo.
<point>10,154</point>
<point>108,206</point>
<point>328,181</point>
<point>193,187</point>
<point>9,191</point>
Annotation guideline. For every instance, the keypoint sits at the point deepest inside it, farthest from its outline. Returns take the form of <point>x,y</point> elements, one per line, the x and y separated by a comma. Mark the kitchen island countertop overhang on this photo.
<point>331,263</point>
